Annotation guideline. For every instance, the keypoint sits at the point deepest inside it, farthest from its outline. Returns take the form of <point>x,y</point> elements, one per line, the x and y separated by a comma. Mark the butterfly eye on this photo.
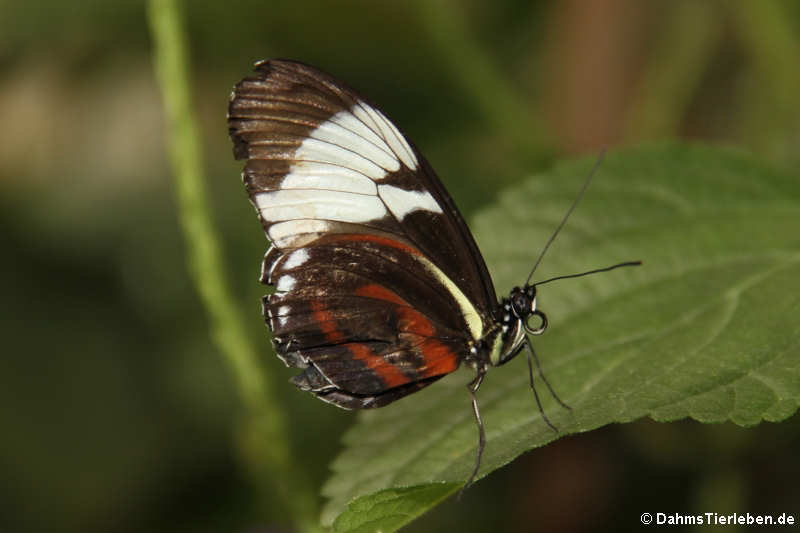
<point>520,303</point>
<point>536,323</point>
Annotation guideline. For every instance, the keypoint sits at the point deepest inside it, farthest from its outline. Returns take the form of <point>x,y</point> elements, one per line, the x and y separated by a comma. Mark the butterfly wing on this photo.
<point>380,287</point>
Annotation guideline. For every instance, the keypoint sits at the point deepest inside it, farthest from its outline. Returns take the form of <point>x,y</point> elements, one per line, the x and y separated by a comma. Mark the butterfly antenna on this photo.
<point>567,214</point>
<point>595,271</point>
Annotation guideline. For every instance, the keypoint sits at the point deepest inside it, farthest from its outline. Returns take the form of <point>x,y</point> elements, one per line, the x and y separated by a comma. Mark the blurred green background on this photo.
<point>117,412</point>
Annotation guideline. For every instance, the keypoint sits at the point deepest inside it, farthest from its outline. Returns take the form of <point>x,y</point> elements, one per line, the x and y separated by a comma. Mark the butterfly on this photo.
<point>380,289</point>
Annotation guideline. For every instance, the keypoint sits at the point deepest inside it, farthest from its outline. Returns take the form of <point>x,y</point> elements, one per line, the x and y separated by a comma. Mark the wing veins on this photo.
<point>433,320</point>
<point>363,276</point>
<point>316,189</point>
<point>295,160</point>
<point>374,229</point>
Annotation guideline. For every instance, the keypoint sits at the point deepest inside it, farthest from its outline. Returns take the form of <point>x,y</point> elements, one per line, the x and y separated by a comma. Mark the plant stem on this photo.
<point>265,438</point>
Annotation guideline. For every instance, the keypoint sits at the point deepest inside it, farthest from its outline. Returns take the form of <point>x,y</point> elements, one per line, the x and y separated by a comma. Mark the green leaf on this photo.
<point>391,509</point>
<point>707,328</point>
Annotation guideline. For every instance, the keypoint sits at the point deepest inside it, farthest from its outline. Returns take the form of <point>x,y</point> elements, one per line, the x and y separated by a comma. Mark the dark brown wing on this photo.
<point>343,311</point>
<point>380,286</point>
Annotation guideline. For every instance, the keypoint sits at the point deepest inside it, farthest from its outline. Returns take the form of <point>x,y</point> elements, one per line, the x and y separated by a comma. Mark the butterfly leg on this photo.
<point>532,359</point>
<point>473,387</point>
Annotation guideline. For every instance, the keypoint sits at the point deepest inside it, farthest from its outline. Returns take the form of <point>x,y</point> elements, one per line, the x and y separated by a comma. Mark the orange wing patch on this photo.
<point>390,374</point>
<point>439,358</point>
<point>383,241</point>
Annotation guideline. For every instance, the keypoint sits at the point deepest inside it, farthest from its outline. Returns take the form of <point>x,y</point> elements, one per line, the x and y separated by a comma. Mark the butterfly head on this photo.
<point>520,317</point>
